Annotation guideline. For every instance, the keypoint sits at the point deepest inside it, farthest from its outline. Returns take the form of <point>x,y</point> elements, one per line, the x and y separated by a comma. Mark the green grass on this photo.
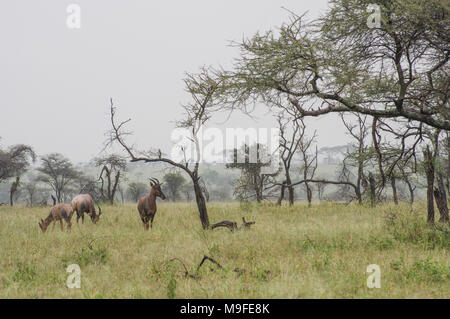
<point>291,252</point>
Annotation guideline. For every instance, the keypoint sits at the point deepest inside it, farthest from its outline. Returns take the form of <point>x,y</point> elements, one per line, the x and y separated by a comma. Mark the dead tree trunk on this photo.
<point>441,199</point>
<point>429,171</point>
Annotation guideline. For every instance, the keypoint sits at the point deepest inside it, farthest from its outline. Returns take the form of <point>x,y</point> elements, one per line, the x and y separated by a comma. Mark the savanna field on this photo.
<point>291,252</point>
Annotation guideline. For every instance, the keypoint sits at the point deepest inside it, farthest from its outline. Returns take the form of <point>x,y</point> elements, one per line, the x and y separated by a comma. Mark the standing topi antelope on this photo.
<point>147,204</point>
<point>58,212</point>
<point>84,203</point>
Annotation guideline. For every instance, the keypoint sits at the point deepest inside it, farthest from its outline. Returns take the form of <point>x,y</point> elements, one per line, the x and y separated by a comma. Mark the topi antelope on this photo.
<point>58,212</point>
<point>147,204</point>
<point>84,203</point>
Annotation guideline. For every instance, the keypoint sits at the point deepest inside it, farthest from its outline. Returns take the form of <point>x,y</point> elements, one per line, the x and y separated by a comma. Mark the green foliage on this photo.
<point>88,256</point>
<point>171,286</point>
<point>25,272</point>
<point>174,184</point>
<point>429,270</point>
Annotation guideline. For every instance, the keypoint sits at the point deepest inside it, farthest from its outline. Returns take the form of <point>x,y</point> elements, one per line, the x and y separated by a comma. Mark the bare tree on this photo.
<point>291,134</point>
<point>309,160</point>
<point>113,166</point>
<point>201,88</point>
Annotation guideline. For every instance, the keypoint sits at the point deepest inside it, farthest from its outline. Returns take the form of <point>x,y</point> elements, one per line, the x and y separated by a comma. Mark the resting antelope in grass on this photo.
<point>58,212</point>
<point>84,203</point>
<point>147,204</point>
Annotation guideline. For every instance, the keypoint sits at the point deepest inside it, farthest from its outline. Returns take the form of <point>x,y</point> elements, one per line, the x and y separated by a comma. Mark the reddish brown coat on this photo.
<point>58,212</point>
<point>147,205</point>
<point>84,203</point>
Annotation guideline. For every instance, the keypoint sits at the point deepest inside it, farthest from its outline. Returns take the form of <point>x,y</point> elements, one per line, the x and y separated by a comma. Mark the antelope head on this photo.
<point>95,217</point>
<point>156,186</point>
<point>43,225</point>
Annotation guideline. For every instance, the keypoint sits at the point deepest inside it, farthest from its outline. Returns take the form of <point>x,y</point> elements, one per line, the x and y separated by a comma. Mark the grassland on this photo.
<point>291,252</point>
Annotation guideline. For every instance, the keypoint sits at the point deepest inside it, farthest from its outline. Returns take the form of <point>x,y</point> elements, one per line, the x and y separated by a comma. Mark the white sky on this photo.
<point>55,83</point>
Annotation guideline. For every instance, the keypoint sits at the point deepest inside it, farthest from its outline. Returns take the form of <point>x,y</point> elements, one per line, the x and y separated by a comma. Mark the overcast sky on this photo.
<point>55,82</point>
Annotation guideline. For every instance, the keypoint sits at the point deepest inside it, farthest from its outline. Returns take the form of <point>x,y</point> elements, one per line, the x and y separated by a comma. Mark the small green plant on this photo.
<point>24,272</point>
<point>96,256</point>
<point>381,243</point>
<point>397,264</point>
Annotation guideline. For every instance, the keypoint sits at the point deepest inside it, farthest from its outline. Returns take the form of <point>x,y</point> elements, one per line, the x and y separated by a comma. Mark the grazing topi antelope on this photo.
<point>58,212</point>
<point>147,204</point>
<point>84,203</point>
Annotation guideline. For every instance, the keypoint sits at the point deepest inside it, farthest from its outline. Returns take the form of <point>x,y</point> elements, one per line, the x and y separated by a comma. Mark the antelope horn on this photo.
<point>152,181</point>
<point>99,210</point>
<point>157,181</point>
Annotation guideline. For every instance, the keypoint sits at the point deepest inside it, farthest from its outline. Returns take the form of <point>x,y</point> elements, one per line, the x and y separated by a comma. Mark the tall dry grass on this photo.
<point>291,252</point>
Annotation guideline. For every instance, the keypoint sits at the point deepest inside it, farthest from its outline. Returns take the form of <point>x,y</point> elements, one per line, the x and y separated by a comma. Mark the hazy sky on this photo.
<point>55,82</point>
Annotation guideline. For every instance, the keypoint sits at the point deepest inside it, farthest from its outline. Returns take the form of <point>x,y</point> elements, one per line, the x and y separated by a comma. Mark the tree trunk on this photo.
<point>308,194</point>
<point>280,199</point>
<point>372,191</point>
<point>201,203</point>
<point>13,190</point>
<point>448,164</point>
<point>429,171</point>
<point>411,192</point>
<point>394,190</point>
<point>291,195</point>
<point>441,199</point>
<point>290,189</point>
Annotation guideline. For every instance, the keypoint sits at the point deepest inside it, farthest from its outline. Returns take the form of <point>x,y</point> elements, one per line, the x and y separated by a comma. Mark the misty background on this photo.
<point>56,82</point>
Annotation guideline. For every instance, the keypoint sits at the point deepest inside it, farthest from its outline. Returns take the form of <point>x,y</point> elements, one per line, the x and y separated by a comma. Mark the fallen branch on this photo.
<point>246,224</point>
<point>232,226</point>
<point>211,260</point>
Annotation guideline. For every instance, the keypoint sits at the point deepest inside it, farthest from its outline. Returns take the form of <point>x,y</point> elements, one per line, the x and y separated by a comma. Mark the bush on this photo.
<point>409,227</point>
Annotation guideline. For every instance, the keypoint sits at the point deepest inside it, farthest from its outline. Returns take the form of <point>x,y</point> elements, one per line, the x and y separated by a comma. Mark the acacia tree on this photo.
<point>57,172</point>
<point>13,163</point>
<point>201,88</point>
<point>136,190</point>
<point>174,183</point>
<point>397,72</point>
<point>113,166</point>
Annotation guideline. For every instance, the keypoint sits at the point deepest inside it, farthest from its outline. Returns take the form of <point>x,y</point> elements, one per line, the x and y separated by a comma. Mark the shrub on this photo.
<point>429,270</point>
